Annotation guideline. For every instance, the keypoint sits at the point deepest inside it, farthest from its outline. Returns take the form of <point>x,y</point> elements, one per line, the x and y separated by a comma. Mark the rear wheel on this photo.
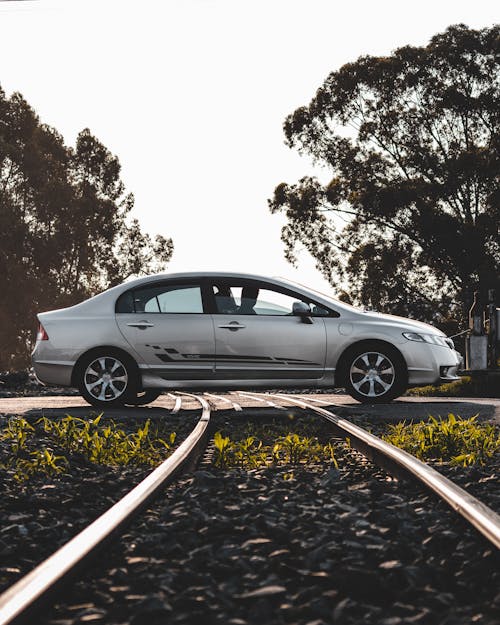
<point>107,379</point>
<point>375,374</point>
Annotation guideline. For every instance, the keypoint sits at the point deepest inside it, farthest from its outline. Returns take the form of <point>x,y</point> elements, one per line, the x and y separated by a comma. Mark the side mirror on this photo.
<point>302,310</point>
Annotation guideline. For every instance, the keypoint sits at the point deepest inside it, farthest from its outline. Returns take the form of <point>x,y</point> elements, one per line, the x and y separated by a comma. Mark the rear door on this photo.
<point>258,337</point>
<point>166,325</point>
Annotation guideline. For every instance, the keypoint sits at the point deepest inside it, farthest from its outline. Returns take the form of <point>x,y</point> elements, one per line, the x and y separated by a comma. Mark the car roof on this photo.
<point>225,274</point>
<point>104,302</point>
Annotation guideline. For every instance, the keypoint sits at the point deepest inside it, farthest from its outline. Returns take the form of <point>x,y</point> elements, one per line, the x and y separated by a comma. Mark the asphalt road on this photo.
<point>344,405</point>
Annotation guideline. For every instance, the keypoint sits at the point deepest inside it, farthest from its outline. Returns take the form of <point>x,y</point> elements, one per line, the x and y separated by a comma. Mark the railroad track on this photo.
<point>399,463</point>
<point>19,601</point>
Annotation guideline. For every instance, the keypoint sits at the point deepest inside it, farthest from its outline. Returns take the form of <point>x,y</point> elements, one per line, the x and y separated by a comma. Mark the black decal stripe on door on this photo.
<point>172,355</point>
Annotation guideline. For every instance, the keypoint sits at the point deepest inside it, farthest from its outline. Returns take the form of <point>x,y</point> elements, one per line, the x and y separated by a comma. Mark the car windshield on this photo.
<point>334,300</point>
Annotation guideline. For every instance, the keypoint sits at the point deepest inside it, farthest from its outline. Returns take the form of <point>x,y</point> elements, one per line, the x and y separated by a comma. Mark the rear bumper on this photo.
<point>48,369</point>
<point>58,373</point>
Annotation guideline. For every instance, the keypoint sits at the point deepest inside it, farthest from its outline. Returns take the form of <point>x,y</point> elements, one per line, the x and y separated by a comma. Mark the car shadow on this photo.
<point>417,410</point>
<point>85,411</point>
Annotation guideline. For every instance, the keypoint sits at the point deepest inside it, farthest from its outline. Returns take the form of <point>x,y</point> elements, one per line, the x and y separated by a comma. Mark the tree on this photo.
<point>410,217</point>
<point>65,227</point>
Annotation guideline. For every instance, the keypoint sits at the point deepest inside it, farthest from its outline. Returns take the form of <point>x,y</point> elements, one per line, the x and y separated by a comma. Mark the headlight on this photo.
<point>433,339</point>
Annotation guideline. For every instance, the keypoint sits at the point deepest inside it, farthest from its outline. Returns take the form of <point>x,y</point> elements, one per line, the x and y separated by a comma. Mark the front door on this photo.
<point>258,337</point>
<point>167,327</point>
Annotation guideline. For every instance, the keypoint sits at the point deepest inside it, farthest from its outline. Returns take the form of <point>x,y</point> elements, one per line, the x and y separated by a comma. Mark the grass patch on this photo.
<point>465,387</point>
<point>459,441</point>
<point>250,452</point>
<point>72,437</point>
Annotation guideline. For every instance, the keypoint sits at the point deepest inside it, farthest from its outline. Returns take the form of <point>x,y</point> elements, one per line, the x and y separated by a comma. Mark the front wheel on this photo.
<point>376,375</point>
<point>107,379</point>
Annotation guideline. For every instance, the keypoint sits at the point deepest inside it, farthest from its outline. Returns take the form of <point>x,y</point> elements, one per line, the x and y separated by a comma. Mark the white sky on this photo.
<point>191,96</point>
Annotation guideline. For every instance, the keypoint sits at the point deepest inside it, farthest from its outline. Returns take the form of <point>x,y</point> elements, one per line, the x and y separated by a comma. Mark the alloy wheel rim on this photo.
<point>372,374</point>
<point>106,378</point>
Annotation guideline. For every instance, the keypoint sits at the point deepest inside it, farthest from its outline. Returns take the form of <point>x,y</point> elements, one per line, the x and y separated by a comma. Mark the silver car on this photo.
<point>232,331</point>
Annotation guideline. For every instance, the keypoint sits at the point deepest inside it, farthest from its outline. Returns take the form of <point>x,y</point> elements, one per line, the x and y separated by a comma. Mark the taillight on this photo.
<point>41,334</point>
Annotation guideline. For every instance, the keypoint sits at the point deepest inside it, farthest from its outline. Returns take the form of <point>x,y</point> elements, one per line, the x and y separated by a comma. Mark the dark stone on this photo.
<point>265,591</point>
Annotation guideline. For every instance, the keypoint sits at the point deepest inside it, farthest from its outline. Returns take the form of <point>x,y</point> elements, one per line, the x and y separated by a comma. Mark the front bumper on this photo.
<point>449,374</point>
<point>431,364</point>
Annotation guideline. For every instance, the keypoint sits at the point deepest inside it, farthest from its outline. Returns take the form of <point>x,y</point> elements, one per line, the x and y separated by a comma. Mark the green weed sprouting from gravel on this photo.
<point>466,386</point>
<point>16,433</point>
<point>251,453</point>
<point>459,388</point>
<point>98,443</point>
<point>39,461</point>
<point>108,444</point>
<point>459,441</point>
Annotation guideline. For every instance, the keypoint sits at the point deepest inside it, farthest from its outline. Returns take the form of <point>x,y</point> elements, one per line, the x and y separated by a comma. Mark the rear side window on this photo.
<point>178,298</point>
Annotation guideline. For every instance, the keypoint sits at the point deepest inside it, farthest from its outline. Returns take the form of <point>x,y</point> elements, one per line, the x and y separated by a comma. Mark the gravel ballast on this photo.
<point>273,545</point>
<point>44,512</point>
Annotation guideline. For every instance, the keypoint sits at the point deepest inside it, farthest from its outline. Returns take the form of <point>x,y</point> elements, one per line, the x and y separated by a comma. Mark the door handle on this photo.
<point>234,325</point>
<point>142,325</point>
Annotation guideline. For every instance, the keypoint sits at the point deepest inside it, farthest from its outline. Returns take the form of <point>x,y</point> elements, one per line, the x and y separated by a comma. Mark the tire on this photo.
<point>375,373</point>
<point>107,378</point>
<point>144,397</point>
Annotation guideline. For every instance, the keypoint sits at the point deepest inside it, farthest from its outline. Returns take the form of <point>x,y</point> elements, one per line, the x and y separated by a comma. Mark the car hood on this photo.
<point>410,325</point>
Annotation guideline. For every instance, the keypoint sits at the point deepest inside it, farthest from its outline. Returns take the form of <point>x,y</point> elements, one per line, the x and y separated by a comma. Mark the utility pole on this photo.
<point>493,330</point>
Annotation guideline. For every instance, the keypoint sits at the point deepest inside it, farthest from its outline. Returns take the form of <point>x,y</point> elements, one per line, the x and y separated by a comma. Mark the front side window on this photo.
<point>177,298</point>
<point>250,299</point>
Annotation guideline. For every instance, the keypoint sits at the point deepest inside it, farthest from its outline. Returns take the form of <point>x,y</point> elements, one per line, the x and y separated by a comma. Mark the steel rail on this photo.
<point>177,405</point>
<point>400,463</point>
<point>317,401</point>
<point>225,400</point>
<point>22,597</point>
<point>251,395</point>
